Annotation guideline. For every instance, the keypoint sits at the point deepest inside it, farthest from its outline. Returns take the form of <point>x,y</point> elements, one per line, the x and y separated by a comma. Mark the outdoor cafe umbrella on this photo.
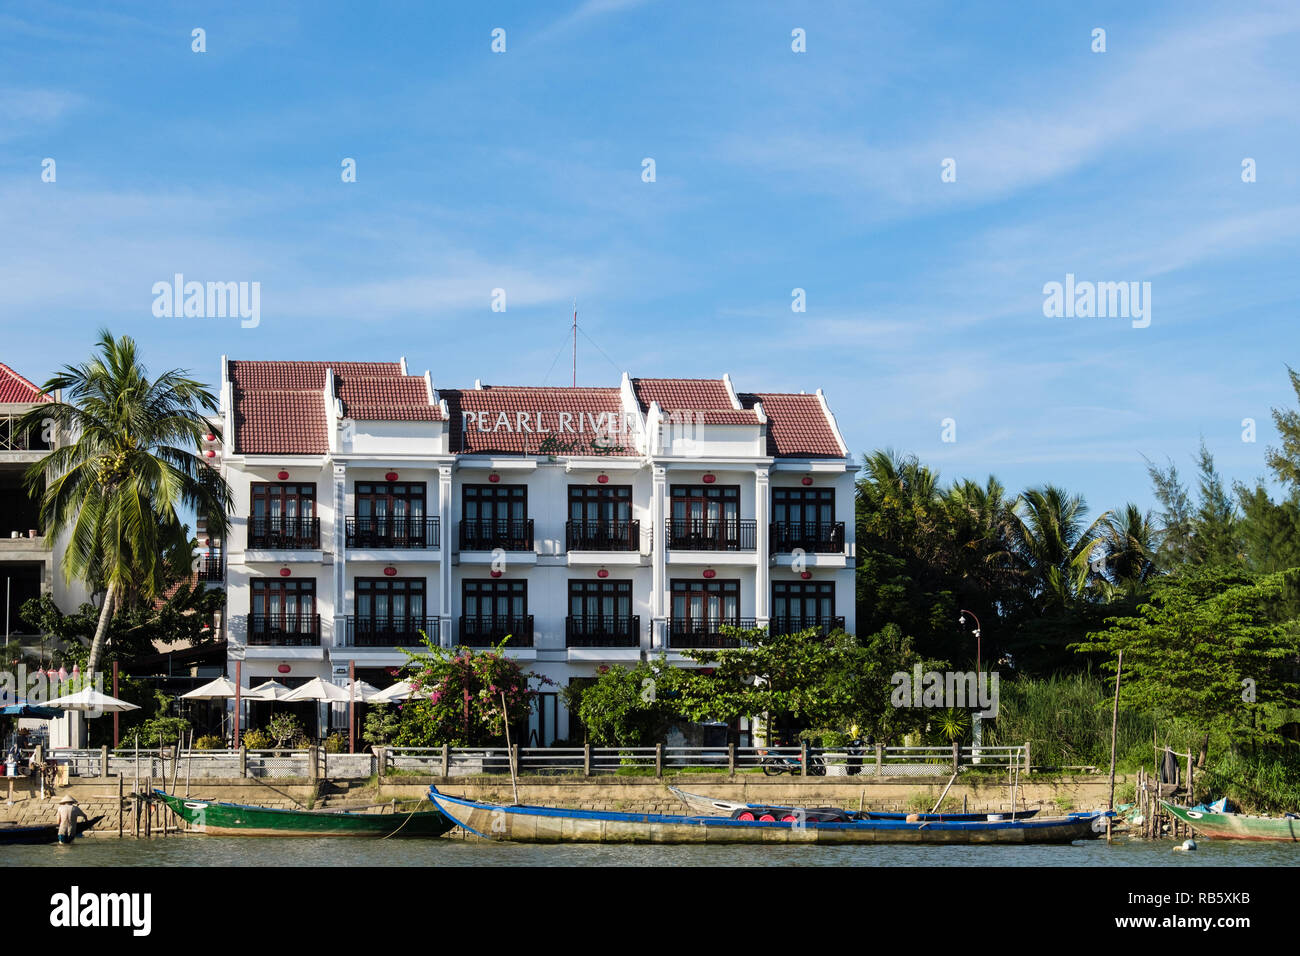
<point>21,708</point>
<point>319,690</point>
<point>402,690</point>
<point>90,699</point>
<point>217,689</point>
<point>271,690</point>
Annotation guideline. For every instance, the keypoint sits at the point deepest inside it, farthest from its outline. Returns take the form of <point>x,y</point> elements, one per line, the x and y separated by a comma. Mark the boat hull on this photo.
<point>699,804</point>
<point>233,819</point>
<point>41,833</point>
<point>1238,826</point>
<point>548,825</point>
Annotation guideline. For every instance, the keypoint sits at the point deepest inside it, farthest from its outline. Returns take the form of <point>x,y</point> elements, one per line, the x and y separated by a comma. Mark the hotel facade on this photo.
<point>594,526</point>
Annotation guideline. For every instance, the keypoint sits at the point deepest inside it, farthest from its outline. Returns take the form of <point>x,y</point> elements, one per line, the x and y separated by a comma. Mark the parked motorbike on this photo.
<point>774,764</point>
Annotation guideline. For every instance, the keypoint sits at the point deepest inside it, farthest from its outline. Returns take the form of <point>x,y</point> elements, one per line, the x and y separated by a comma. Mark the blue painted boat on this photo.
<point>526,824</point>
<point>712,806</point>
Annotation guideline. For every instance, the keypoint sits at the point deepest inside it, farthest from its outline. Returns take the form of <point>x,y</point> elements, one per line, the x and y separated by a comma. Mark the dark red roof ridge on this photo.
<point>13,385</point>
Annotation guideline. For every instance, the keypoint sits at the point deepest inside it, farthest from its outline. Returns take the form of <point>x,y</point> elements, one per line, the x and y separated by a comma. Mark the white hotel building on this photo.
<point>593,525</point>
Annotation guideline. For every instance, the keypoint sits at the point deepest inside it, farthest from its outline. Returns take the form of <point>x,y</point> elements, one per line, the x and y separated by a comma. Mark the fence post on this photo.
<point>803,758</point>
<point>731,760</point>
<point>313,763</point>
<point>659,760</point>
<point>1026,756</point>
<point>880,760</point>
<point>103,762</point>
<point>956,756</point>
<point>446,760</point>
<point>243,761</point>
<point>586,760</point>
<point>381,762</point>
<point>514,759</point>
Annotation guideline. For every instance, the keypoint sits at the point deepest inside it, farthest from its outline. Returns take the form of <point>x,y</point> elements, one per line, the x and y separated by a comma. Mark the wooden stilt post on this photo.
<point>120,809</point>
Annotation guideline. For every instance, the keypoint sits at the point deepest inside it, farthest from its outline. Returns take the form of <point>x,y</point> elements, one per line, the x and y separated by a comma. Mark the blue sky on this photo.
<point>775,170</point>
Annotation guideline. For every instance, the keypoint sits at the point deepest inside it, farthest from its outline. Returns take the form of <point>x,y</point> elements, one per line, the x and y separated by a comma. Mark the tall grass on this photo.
<point>1268,781</point>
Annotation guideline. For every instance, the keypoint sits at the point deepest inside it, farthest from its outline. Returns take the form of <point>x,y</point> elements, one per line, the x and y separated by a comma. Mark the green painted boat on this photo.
<point>236,819</point>
<point>1238,826</point>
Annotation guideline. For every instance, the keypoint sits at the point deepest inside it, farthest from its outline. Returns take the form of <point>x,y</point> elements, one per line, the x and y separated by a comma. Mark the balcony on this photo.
<point>210,568</point>
<point>815,537</point>
<point>705,632</point>
<point>14,438</point>
<point>395,632</point>
<point>824,625</point>
<point>392,531</point>
<point>284,630</point>
<point>602,535</point>
<point>707,534</point>
<point>488,631</point>
<point>284,534</point>
<point>508,534</point>
<point>602,630</point>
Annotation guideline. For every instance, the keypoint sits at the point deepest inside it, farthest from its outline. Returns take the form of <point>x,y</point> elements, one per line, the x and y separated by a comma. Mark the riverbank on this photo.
<point>98,796</point>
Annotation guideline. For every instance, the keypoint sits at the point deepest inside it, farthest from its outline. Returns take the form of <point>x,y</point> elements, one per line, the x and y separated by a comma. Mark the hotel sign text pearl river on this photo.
<point>594,526</point>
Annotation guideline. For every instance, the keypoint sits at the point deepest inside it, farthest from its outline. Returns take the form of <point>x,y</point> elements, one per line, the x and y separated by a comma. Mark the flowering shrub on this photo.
<point>457,697</point>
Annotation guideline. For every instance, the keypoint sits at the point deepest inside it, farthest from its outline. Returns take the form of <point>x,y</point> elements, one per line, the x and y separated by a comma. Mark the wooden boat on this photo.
<point>699,804</point>
<point>11,835</point>
<point>235,819</point>
<point>525,824</point>
<point>1238,826</point>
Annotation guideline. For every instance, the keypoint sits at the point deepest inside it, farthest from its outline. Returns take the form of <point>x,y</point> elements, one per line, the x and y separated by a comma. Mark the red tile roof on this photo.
<point>14,388</point>
<point>706,398</point>
<point>281,408</point>
<point>797,426</point>
<point>577,421</point>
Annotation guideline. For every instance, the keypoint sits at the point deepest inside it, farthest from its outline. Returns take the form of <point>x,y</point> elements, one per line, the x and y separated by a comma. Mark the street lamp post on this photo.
<point>976,632</point>
<point>977,726</point>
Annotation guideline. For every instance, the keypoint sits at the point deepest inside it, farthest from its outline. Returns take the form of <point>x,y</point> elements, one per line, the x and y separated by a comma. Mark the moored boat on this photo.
<point>39,833</point>
<point>526,824</point>
<point>1237,826</point>
<point>700,804</point>
<point>236,819</point>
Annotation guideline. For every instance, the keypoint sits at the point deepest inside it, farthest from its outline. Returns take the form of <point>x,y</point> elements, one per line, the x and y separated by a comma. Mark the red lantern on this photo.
<point>496,574</point>
<point>494,477</point>
<point>709,572</point>
<point>391,476</point>
<point>283,668</point>
<point>210,453</point>
<point>389,572</point>
<point>710,479</point>
<point>805,575</point>
<point>806,479</point>
<point>602,479</point>
<point>283,475</point>
<point>602,573</point>
<point>285,572</point>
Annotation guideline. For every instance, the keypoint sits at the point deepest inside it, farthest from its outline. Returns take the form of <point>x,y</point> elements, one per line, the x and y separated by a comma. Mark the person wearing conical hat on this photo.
<point>68,812</point>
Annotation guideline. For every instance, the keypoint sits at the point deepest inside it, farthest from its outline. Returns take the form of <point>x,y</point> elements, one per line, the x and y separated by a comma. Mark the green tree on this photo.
<point>629,706</point>
<point>118,487</point>
<point>1284,460</point>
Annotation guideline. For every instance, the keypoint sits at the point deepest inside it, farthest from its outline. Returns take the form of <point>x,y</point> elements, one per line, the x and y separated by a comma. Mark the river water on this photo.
<point>198,850</point>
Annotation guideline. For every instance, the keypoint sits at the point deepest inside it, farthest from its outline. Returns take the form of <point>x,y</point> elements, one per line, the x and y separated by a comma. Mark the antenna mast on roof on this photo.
<point>575,343</point>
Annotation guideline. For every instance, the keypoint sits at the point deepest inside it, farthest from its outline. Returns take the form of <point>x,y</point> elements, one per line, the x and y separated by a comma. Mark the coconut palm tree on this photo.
<point>1049,536</point>
<point>1129,550</point>
<point>131,465</point>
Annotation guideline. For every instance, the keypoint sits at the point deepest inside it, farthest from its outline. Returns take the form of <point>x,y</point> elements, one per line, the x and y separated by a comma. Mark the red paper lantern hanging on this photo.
<point>805,575</point>
<point>494,477</point>
<point>285,572</point>
<point>391,476</point>
<point>210,453</point>
<point>602,479</point>
<point>209,437</point>
<point>602,573</point>
<point>806,479</point>
<point>710,479</point>
<point>496,574</point>
<point>283,668</point>
<point>283,475</point>
<point>709,573</point>
<point>390,571</point>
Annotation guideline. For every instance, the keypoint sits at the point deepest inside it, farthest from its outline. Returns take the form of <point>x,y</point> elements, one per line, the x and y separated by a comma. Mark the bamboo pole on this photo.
<point>120,808</point>
<point>1114,731</point>
<point>951,780</point>
<point>510,751</point>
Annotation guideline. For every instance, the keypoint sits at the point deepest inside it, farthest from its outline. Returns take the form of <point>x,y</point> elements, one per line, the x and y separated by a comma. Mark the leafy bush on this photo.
<point>382,724</point>
<point>209,742</point>
<point>283,727</point>
<point>165,730</point>
<point>336,743</point>
<point>257,740</point>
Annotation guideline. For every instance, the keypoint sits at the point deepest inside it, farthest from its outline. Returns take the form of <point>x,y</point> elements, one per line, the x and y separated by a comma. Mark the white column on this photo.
<point>658,558</point>
<point>338,544</point>
<point>446,527</point>
<point>763,572</point>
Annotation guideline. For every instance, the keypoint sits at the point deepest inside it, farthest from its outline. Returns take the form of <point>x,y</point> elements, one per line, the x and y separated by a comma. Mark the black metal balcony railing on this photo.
<point>284,630</point>
<point>602,535</point>
<point>391,632</point>
<point>824,537</point>
<point>210,567</point>
<point>284,534</point>
<point>392,531</point>
<point>602,630</point>
<point>705,631</point>
<point>508,534</point>
<point>793,624</point>
<point>483,631</point>
<point>704,534</point>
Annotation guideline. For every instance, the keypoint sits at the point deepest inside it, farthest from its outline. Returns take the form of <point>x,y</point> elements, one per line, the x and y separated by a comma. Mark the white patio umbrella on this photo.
<point>90,699</point>
<point>319,690</point>
<point>365,692</point>
<point>402,690</point>
<point>217,689</point>
<point>270,690</point>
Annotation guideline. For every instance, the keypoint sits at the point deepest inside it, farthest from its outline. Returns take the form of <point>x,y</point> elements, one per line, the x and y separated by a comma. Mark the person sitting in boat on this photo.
<point>68,813</point>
